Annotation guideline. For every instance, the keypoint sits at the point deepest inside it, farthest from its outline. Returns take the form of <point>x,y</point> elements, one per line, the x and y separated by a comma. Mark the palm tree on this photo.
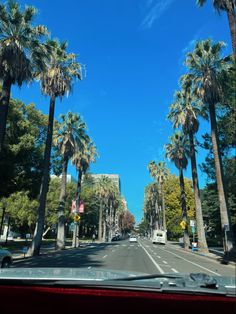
<point>151,205</point>
<point>82,159</point>
<point>104,188</point>
<point>178,151</point>
<point>229,6</point>
<point>22,52</point>
<point>184,112</point>
<point>207,67</point>
<point>56,81</point>
<point>159,172</point>
<point>70,138</point>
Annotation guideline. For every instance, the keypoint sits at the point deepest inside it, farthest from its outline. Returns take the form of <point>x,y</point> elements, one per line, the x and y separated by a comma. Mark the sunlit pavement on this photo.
<point>142,257</point>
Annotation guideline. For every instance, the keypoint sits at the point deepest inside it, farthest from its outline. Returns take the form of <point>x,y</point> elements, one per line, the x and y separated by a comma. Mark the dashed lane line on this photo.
<point>174,270</point>
<point>152,259</point>
<point>164,262</point>
<point>184,259</point>
<point>104,256</point>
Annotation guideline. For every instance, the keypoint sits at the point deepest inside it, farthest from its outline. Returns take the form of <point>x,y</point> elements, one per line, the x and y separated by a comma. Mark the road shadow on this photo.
<point>84,256</point>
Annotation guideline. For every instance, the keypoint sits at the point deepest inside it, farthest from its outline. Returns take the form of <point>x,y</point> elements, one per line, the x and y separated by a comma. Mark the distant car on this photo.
<point>133,239</point>
<point>116,238</point>
<point>5,258</point>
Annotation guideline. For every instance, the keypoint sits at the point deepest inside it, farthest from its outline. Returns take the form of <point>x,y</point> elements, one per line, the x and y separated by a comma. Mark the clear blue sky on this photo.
<point>133,51</point>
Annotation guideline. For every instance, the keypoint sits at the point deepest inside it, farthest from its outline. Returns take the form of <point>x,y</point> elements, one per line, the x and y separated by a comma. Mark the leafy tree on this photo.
<point>229,6</point>
<point>178,151</point>
<point>56,81</point>
<point>22,156</point>
<point>144,226</point>
<point>22,52</point>
<point>208,67</point>
<point>21,210</point>
<point>173,205</point>
<point>51,215</point>
<point>184,112</point>
<point>126,222</point>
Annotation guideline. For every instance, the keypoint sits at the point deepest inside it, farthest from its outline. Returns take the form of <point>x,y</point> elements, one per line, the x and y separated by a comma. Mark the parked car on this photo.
<point>5,258</point>
<point>116,238</point>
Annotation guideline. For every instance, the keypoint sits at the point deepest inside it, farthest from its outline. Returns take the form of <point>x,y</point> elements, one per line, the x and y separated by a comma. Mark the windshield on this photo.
<point>117,138</point>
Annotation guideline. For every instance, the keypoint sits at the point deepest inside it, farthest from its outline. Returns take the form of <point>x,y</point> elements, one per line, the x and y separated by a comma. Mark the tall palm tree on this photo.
<point>159,172</point>
<point>104,188</point>
<point>22,52</point>
<point>82,159</point>
<point>178,151</point>
<point>56,81</point>
<point>151,205</point>
<point>229,6</point>
<point>70,138</point>
<point>184,112</point>
<point>207,67</point>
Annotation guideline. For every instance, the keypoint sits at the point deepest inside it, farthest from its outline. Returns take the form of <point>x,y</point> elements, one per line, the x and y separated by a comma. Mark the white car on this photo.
<point>133,239</point>
<point>5,258</point>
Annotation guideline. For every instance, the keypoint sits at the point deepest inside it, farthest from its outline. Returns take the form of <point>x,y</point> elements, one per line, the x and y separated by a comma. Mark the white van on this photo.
<point>159,236</point>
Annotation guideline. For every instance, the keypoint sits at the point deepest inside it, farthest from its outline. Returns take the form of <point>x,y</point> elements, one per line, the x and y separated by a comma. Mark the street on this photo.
<point>142,257</point>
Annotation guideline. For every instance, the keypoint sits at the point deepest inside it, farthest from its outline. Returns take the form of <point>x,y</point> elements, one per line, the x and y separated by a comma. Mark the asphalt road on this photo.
<point>142,257</point>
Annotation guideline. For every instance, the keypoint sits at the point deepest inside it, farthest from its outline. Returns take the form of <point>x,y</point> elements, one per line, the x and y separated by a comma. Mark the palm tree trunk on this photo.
<point>38,232</point>
<point>224,213</point>
<point>100,223</point>
<point>61,210</point>
<point>80,173</point>
<point>163,207</point>
<point>184,208</point>
<point>202,243</point>
<point>4,106</point>
<point>232,26</point>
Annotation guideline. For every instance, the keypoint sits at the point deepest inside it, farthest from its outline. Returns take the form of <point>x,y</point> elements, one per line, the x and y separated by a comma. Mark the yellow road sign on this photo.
<point>77,218</point>
<point>183,224</point>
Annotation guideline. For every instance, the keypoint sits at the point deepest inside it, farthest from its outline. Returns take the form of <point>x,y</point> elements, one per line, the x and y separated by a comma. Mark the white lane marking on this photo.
<point>158,256</point>
<point>131,245</point>
<point>211,271</point>
<point>164,262</point>
<point>151,258</point>
<point>104,256</point>
<point>89,267</point>
<point>174,270</point>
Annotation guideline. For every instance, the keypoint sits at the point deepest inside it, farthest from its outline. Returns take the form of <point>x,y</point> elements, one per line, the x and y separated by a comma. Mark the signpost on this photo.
<point>77,208</point>
<point>193,226</point>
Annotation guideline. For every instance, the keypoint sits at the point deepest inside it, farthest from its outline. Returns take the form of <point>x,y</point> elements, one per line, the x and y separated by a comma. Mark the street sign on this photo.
<point>192,223</point>
<point>76,218</point>
<point>81,207</point>
<point>73,206</point>
<point>183,224</point>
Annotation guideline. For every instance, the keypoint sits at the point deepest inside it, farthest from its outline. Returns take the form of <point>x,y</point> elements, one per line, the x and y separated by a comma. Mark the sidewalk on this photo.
<point>214,253</point>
